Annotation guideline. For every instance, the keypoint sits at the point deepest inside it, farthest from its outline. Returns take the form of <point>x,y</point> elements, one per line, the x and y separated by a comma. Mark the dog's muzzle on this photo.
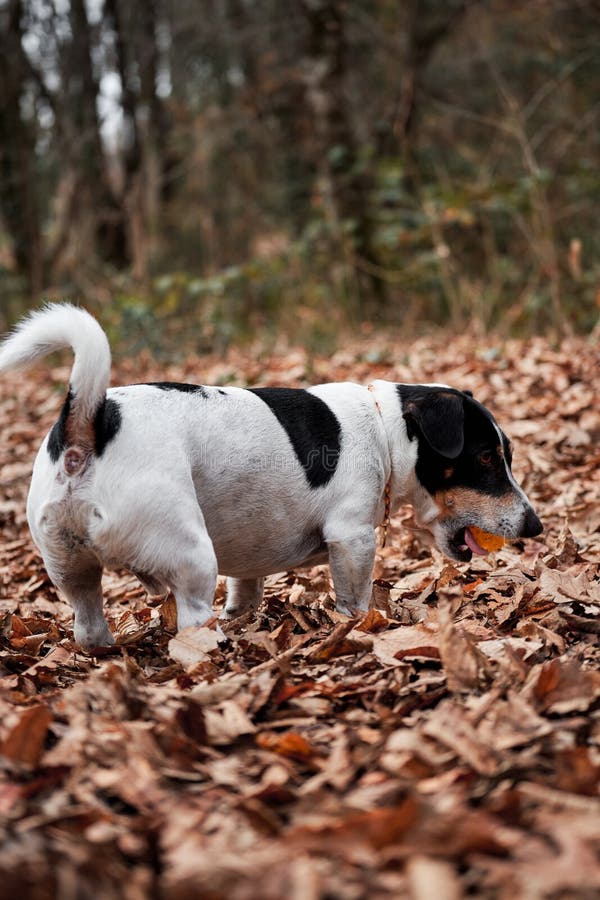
<point>531,526</point>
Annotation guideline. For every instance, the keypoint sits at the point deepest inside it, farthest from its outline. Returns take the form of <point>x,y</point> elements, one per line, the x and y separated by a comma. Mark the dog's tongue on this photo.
<point>472,544</point>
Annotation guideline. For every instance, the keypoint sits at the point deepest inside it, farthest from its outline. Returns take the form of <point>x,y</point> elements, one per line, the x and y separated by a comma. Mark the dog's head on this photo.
<point>464,467</point>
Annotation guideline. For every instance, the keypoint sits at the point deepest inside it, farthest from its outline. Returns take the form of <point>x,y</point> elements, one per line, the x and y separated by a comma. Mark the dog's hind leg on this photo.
<point>194,583</point>
<point>243,595</point>
<point>161,535</point>
<point>189,569</point>
<point>82,587</point>
<point>182,555</point>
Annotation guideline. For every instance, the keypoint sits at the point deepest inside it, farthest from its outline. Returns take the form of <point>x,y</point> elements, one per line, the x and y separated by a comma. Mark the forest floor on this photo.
<point>447,744</point>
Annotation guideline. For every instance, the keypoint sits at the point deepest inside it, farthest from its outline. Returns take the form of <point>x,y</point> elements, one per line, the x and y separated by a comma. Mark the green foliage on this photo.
<point>307,167</point>
<point>179,312</point>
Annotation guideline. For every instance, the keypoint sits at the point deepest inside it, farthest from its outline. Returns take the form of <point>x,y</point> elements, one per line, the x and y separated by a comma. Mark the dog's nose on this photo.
<point>531,524</point>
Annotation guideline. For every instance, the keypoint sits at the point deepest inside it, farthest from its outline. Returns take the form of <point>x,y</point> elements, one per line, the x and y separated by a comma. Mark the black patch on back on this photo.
<point>479,434</point>
<point>179,386</point>
<point>57,440</point>
<point>311,426</point>
<point>107,423</point>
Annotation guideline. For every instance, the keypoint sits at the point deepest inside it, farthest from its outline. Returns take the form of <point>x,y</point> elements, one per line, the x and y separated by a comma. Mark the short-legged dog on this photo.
<point>180,482</point>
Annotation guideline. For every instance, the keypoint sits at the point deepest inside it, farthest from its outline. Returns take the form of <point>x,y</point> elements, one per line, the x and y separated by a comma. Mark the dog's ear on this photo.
<point>468,393</point>
<point>440,417</point>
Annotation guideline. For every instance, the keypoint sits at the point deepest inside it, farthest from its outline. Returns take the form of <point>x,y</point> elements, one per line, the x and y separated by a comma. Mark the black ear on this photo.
<point>468,393</point>
<point>440,418</point>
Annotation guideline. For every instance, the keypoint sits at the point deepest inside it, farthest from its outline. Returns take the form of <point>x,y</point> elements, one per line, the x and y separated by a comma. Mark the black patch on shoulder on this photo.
<point>57,440</point>
<point>179,386</point>
<point>107,422</point>
<point>311,426</point>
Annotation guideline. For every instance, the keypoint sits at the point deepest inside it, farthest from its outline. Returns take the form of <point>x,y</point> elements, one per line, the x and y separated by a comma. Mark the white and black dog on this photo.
<point>179,482</point>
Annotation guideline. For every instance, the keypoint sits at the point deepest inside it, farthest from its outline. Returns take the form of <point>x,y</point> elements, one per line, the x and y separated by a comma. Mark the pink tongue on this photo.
<point>473,545</point>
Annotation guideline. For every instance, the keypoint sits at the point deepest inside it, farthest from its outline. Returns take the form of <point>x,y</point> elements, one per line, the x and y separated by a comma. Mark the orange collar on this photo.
<point>384,525</point>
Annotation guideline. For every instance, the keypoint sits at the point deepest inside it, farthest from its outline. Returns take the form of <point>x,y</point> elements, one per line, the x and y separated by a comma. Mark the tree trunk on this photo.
<point>109,226</point>
<point>425,29</point>
<point>345,184</point>
<point>18,182</point>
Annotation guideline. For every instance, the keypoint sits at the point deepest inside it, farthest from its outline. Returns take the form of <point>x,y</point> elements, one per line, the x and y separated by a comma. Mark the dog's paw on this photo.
<point>352,611</point>
<point>89,638</point>
<point>231,613</point>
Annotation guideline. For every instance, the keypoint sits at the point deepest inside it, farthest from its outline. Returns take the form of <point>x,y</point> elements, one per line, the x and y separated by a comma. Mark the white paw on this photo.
<point>191,618</point>
<point>89,638</point>
<point>352,611</point>
<point>344,610</point>
<point>231,612</point>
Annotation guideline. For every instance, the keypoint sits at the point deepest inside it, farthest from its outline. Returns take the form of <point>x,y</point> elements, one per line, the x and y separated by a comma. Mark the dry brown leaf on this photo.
<point>511,723</point>
<point>24,743</point>
<point>147,760</point>
<point>290,744</point>
<point>565,586</point>
<point>168,613</point>
<point>563,687</point>
<point>432,878</point>
<point>373,622</point>
<point>378,828</point>
<point>193,645</point>
<point>406,642</point>
<point>226,723</point>
<point>449,726</point>
<point>461,661</point>
<point>341,643</point>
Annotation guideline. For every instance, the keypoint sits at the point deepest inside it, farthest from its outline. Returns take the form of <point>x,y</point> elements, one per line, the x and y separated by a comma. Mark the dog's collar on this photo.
<point>384,525</point>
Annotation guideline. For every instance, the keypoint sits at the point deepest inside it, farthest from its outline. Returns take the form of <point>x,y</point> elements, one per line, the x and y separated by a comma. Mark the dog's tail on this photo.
<point>60,325</point>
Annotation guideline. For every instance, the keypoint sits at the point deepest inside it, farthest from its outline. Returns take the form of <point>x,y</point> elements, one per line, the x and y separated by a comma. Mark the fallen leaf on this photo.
<point>429,878</point>
<point>449,726</point>
<point>193,645</point>
<point>226,723</point>
<point>563,687</point>
<point>340,643</point>
<point>24,743</point>
<point>406,642</point>
<point>461,661</point>
<point>374,621</point>
<point>290,744</point>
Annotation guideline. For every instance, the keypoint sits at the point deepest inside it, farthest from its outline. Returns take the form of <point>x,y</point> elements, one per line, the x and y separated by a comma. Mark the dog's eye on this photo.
<point>485,457</point>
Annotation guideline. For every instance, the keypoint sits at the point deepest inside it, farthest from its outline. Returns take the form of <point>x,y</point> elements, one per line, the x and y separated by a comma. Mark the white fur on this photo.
<point>193,485</point>
<point>54,327</point>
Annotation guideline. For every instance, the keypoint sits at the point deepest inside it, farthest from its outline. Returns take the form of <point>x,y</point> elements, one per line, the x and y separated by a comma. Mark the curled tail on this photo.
<point>54,327</point>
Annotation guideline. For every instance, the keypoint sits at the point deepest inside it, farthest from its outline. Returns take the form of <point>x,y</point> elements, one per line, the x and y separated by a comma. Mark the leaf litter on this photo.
<point>446,743</point>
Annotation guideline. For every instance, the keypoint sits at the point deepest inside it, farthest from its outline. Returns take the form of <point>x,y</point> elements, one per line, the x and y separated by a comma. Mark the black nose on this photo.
<point>531,524</point>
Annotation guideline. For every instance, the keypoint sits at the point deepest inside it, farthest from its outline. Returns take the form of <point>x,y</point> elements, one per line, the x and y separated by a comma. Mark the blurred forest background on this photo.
<point>210,168</point>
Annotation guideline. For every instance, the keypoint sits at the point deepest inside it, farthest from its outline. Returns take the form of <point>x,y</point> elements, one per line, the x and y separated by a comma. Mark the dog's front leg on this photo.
<point>351,559</point>
<point>243,595</point>
<point>83,590</point>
